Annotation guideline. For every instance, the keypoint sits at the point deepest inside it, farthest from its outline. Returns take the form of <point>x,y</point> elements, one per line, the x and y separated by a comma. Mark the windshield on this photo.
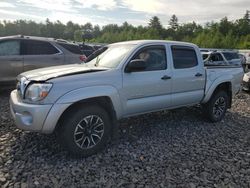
<point>110,56</point>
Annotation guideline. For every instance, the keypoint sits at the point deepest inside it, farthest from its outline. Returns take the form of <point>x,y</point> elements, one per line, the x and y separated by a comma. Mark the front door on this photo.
<point>150,89</point>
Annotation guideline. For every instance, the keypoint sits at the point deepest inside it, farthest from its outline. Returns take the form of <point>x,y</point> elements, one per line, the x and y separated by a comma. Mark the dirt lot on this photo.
<point>165,149</point>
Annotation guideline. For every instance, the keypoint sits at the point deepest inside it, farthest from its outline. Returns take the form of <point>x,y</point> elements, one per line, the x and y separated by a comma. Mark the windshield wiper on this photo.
<point>97,61</point>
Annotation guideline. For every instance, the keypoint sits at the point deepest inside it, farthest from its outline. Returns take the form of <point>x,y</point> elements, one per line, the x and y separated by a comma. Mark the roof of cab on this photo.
<point>148,42</point>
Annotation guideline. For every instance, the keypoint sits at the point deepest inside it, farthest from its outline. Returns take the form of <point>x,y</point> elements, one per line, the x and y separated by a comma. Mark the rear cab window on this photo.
<point>184,57</point>
<point>35,47</point>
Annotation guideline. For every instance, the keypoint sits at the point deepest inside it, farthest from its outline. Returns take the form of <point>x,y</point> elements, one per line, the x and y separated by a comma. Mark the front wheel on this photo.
<point>85,131</point>
<point>217,106</point>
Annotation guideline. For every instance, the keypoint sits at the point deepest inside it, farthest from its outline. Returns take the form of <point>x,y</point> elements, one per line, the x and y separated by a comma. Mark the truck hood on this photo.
<point>48,73</point>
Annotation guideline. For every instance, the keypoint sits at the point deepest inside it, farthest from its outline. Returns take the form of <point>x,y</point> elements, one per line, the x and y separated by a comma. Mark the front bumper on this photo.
<point>29,117</point>
<point>35,117</point>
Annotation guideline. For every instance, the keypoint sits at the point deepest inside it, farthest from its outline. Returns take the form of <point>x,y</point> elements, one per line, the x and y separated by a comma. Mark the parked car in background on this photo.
<point>89,48</point>
<point>86,49</point>
<point>205,54</point>
<point>243,62</point>
<point>22,53</point>
<point>82,102</point>
<point>246,54</point>
<point>98,46</point>
<point>243,58</point>
<point>223,58</point>
<point>246,82</point>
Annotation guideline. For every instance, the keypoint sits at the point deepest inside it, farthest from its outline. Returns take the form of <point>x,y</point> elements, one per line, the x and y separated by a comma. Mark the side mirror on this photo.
<point>136,65</point>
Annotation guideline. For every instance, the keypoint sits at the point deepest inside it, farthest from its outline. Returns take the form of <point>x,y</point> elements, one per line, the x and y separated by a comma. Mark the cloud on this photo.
<point>69,5</point>
<point>65,17</point>
<point>63,10</point>
<point>6,5</point>
<point>150,6</point>
<point>100,5</point>
<point>49,5</point>
<point>6,13</point>
<point>190,10</point>
<point>137,12</point>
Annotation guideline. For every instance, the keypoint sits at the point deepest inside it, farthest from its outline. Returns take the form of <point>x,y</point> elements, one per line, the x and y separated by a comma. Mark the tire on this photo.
<point>217,106</point>
<point>85,131</point>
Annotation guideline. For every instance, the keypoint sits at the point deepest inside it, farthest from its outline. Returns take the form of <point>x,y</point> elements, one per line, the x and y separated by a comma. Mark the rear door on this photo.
<point>11,62</point>
<point>38,54</point>
<point>188,76</point>
<point>150,89</point>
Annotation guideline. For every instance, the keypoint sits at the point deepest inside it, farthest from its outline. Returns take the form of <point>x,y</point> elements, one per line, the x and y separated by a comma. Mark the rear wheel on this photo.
<point>85,131</point>
<point>217,106</point>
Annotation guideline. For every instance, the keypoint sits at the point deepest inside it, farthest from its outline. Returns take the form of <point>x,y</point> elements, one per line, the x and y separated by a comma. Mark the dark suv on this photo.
<point>22,53</point>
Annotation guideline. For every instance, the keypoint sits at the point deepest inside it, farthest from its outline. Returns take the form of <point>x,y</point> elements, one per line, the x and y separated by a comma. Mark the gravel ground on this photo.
<point>165,149</point>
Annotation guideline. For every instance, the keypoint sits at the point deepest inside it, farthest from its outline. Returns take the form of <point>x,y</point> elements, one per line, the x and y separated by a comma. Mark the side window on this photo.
<point>204,56</point>
<point>87,50</point>
<point>8,48</point>
<point>213,57</point>
<point>230,56</point>
<point>219,57</point>
<point>155,58</point>
<point>184,57</point>
<point>75,49</point>
<point>216,57</point>
<point>32,47</point>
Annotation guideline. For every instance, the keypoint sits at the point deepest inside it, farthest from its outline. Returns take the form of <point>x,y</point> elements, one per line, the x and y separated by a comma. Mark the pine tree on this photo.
<point>155,23</point>
<point>247,16</point>
<point>155,28</point>
<point>174,22</point>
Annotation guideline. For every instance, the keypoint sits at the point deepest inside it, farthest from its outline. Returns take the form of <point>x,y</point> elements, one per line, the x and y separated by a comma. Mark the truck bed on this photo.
<point>218,74</point>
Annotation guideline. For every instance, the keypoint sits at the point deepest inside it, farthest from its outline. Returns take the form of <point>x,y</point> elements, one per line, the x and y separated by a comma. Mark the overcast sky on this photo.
<point>136,12</point>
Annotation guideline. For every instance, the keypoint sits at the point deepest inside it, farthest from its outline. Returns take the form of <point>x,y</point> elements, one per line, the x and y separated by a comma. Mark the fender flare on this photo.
<point>92,92</point>
<point>213,85</point>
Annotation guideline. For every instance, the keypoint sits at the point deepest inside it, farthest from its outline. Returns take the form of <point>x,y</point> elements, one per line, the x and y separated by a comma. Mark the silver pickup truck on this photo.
<point>82,102</point>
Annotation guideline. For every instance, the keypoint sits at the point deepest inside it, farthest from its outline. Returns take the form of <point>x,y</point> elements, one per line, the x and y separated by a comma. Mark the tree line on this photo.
<point>222,34</point>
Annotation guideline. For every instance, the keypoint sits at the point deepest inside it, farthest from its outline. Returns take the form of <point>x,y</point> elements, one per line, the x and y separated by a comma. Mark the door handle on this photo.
<point>198,75</point>
<point>166,77</point>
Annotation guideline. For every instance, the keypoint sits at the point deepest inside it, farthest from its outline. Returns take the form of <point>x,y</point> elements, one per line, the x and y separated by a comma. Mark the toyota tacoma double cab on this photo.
<point>82,103</point>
